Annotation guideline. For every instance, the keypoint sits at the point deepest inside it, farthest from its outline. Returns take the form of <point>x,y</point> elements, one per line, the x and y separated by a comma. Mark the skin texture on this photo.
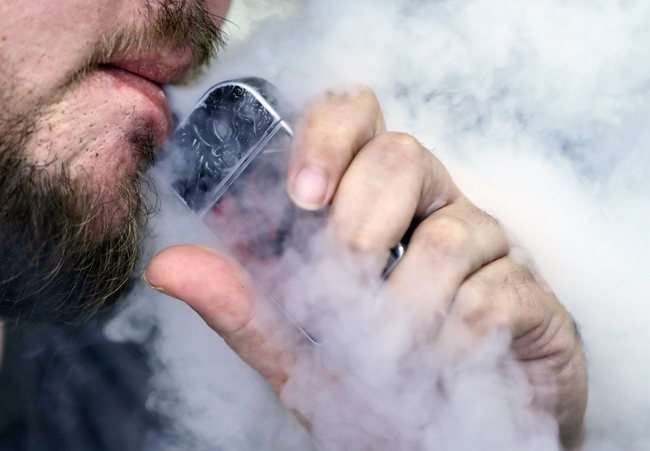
<point>459,279</point>
<point>86,125</point>
<point>82,110</point>
<point>459,269</point>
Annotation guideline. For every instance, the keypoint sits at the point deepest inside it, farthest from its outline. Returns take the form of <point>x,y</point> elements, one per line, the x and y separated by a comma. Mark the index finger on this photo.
<point>326,139</point>
<point>216,287</point>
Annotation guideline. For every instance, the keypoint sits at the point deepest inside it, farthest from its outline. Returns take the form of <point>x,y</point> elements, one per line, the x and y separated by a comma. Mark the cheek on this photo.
<point>218,7</point>
<point>93,144</point>
<point>91,150</point>
<point>39,43</point>
<point>89,134</point>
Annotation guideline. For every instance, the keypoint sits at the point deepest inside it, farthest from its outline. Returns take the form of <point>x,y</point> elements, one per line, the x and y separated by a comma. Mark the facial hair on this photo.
<point>60,256</point>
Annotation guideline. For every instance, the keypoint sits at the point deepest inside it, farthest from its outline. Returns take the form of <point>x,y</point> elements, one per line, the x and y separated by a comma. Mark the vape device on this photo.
<point>230,159</point>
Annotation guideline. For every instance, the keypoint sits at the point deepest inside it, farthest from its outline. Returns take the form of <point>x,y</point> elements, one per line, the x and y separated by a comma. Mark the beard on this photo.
<point>62,256</point>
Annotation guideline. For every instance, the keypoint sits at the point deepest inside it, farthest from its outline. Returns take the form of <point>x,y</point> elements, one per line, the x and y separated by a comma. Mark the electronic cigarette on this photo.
<point>230,159</point>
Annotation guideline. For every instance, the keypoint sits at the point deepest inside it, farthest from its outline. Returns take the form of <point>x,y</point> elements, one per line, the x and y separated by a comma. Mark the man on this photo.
<point>82,109</point>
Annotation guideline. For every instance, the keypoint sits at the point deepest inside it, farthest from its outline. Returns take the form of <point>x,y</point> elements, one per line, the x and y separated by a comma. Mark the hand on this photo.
<point>459,273</point>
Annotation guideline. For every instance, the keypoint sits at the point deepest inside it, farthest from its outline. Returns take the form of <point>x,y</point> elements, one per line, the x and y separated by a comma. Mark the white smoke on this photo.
<point>540,112</point>
<point>373,383</point>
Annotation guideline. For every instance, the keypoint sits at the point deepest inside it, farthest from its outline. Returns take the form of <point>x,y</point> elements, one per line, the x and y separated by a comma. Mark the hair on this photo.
<point>61,257</point>
<point>173,24</point>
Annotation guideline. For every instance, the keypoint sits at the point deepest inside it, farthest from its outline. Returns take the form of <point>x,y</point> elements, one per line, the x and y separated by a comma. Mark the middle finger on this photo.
<point>446,248</point>
<point>392,180</point>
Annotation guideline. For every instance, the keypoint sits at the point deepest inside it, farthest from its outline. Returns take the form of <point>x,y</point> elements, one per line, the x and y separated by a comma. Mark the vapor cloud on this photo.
<point>540,110</point>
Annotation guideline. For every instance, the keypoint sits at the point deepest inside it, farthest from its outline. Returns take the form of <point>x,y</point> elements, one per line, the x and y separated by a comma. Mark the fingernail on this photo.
<point>310,188</point>
<point>144,277</point>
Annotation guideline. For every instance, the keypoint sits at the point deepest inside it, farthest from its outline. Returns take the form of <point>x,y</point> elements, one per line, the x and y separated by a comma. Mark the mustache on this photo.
<point>168,25</point>
<point>177,24</point>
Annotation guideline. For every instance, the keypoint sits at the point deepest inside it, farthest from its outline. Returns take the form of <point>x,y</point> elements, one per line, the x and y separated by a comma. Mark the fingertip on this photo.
<point>155,287</point>
<point>167,264</point>
<point>309,188</point>
<point>207,280</point>
<point>327,136</point>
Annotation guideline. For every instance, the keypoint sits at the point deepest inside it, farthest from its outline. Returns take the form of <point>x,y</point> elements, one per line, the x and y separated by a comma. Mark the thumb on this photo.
<point>208,281</point>
<point>218,289</point>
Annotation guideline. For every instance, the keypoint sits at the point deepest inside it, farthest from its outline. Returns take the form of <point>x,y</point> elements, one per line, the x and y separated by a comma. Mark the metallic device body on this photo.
<point>230,158</point>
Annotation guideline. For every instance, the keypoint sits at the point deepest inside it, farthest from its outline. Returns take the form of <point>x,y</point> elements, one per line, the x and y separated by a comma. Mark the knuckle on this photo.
<point>367,93</point>
<point>320,136</point>
<point>473,292</point>
<point>369,101</point>
<point>480,304</point>
<point>401,145</point>
<point>358,93</point>
<point>364,237</point>
<point>400,151</point>
<point>445,236</point>
<point>360,241</point>
<point>351,103</point>
<point>338,122</point>
<point>321,142</point>
<point>474,296</point>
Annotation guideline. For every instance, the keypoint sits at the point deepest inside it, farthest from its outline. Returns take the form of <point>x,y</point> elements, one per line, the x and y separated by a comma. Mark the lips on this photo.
<point>157,67</point>
<point>143,73</point>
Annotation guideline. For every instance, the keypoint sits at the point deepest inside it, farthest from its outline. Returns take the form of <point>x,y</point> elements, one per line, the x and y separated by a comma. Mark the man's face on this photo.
<point>80,107</point>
